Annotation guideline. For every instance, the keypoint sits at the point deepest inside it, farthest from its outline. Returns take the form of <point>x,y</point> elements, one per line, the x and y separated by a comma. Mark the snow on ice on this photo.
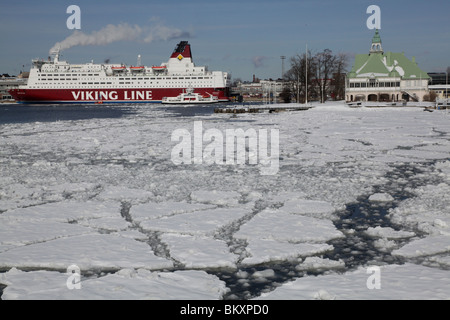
<point>104,195</point>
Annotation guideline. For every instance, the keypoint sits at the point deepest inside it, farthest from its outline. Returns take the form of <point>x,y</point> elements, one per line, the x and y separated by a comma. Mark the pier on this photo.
<point>262,109</point>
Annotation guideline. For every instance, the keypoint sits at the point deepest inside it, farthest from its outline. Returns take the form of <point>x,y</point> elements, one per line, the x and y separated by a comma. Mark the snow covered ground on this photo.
<point>356,188</point>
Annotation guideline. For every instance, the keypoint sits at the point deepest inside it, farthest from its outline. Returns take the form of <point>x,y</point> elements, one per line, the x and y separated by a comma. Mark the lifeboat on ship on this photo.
<point>137,69</point>
<point>118,69</point>
<point>159,68</point>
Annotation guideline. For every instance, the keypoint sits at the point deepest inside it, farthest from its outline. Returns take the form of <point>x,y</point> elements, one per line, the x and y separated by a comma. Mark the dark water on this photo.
<point>25,113</point>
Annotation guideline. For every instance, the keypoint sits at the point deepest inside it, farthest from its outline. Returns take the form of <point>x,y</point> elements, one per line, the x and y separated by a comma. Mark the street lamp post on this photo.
<point>306,85</point>
<point>446,84</point>
<point>446,89</point>
<point>282,66</point>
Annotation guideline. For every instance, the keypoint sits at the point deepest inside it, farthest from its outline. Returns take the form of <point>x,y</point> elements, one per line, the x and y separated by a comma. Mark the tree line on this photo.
<point>318,77</point>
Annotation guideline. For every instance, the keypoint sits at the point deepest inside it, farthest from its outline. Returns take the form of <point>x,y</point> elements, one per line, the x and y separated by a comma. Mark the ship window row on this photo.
<point>96,75</point>
<point>89,86</point>
<point>96,83</point>
<point>69,75</point>
<point>71,83</point>
<point>70,86</point>
<point>68,79</point>
<point>169,82</point>
<point>167,78</point>
<point>62,79</point>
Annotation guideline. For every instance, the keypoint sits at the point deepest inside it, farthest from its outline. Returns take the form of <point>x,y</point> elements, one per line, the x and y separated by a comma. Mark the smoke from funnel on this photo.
<point>112,33</point>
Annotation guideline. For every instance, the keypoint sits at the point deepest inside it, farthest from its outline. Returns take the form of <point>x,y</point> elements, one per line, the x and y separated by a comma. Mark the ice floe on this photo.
<point>197,252</point>
<point>282,226</point>
<point>87,251</point>
<point>397,282</point>
<point>126,284</point>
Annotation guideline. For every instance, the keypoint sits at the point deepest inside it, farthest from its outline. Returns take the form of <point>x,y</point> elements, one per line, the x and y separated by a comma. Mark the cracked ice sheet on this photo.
<point>430,245</point>
<point>106,223</point>
<point>90,251</point>
<point>388,233</point>
<point>17,195</point>
<point>199,251</point>
<point>312,208</point>
<point>125,194</point>
<point>205,222</point>
<point>15,233</point>
<point>398,282</point>
<point>126,284</point>
<point>263,250</point>
<point>65,211</point>
<point>223,198</point>
<point>153,210</point>
<point>282,226</point>
<point>385,130</point>
<point>429,212</point>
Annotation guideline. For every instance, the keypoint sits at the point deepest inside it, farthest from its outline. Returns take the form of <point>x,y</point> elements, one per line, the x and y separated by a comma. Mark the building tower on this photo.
<point>376,44</point>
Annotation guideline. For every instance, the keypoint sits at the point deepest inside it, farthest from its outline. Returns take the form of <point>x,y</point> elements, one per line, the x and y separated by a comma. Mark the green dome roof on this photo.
<point>376,38</point>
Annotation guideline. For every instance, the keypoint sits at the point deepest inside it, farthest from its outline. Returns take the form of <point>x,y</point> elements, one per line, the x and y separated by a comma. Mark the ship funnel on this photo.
<point>182,50</point>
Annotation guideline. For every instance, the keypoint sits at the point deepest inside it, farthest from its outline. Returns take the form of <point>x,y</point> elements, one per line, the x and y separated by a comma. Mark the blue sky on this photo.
<point>243,37</point>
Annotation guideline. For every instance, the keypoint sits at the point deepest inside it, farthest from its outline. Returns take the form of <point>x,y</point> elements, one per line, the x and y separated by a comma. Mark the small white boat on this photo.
<point>190,97</point>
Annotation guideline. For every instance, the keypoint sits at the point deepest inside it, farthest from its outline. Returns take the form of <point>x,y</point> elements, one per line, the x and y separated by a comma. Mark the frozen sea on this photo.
<point>93,207</point>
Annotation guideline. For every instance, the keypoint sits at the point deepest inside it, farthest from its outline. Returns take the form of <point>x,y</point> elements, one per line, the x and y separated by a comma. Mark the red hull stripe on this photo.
<point>107,95</point>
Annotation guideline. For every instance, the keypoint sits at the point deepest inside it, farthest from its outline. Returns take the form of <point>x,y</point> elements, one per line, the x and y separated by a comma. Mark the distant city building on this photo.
<point>438,78</point>
<point>8,83</point>
<point>439,85</point>
<point>260,89</point>
<point>380,76</point>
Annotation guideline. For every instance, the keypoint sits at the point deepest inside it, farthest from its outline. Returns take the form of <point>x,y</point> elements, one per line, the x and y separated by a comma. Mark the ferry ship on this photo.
<point>56,81</point>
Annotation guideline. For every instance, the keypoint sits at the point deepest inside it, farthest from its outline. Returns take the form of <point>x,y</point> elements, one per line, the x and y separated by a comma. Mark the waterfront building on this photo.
<point>385,76</point>
<point>260,89</point>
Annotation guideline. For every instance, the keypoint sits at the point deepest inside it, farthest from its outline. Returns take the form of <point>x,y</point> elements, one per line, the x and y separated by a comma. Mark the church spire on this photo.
<point>376,43</point>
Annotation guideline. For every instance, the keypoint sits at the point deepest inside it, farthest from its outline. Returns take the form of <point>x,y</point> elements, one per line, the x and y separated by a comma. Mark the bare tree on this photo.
<point>338,84</point>
<point>325,76</point>
<point>298,77</point>
<point>325,68</point>
<point>286,95</point>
